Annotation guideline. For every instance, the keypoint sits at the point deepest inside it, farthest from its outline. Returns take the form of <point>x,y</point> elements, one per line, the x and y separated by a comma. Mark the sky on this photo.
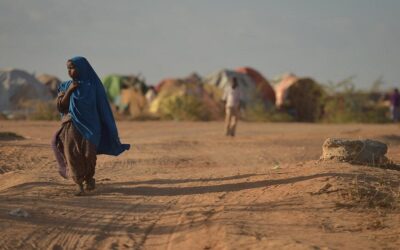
<point>326,40</point>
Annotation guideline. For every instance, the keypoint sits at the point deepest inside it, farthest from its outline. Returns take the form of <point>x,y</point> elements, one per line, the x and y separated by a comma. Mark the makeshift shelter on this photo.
<point>192,78</point>
<point>301,97</point>
<point>282,86</point>
<point>51,82</point>
<point>169,85</point>
<point>151,94</point>
<point>114,84</point>
<point>264,88</point>
<point>134,101</point>
<point>17,87</point>
<point>247,86</point>
<point>185,98</point>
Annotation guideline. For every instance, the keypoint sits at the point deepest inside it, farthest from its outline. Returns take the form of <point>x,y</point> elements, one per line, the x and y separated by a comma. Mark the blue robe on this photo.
<point>90,111</point>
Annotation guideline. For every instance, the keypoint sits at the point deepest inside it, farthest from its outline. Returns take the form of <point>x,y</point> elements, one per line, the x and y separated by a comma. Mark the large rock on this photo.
<point>355,151</point>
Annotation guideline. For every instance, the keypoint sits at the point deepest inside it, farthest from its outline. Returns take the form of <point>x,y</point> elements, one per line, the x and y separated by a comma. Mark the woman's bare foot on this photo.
<point>80,190</point>
<point>90,184</point>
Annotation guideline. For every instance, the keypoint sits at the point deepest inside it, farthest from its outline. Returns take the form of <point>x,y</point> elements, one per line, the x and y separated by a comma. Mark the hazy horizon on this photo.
<point>327,40</point>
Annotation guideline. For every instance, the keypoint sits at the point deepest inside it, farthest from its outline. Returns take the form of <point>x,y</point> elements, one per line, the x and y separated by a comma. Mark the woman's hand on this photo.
<point>74,85</point>
<point>64,102</point>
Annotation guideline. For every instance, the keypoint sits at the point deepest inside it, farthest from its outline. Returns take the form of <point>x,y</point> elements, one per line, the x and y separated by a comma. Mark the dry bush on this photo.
<point>37,110</point>
<point>185,108</point>
<point>257,112</point>
<point>344,104</point>
<point>44,111</point>
<point>353,107</point>
<point>373,194</point>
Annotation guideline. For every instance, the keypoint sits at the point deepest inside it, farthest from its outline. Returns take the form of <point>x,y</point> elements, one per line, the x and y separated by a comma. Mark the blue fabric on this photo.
<point>90,111</point>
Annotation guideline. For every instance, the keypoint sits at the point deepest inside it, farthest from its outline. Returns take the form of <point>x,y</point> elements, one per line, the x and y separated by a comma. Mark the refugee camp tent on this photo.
<point>282,86</point>
<point>169,85</point>
<point>151,94</point>
<point>114,84</point>
<point>185,97</point>
<point>264,88</point>
<point>247,86</point>
<point>192,78</point>
<point>51,82</point>
<point>301,97</point>
<point>17,87</point>
<point>134,101</point>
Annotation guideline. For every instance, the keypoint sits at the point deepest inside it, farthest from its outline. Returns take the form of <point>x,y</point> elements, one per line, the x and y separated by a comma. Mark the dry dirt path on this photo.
<point>185,186</point>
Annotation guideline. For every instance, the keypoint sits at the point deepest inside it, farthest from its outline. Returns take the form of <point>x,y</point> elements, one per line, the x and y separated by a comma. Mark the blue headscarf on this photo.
<point>90,111</point>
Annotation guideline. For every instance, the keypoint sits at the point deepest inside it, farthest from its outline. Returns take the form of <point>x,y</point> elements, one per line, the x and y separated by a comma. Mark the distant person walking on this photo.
<point>231,98</point>
<point>87,125</point>
<point>395,105</point>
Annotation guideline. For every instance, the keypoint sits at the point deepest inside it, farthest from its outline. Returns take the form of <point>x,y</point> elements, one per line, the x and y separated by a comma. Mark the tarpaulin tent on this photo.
<point>169,86</point>
<point>300,96</point>
<point>51,82</point>
<point>185,98</point>
<point>134,101</point>
<point>281,88</point>
<point>192,78</point>
<point>264,88</point>
<point>18,86</point>
<point>114,84</point>
<point>247,86</point>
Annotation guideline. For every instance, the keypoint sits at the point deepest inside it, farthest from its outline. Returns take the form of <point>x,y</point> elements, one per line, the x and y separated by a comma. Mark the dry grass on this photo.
<point>376,194</point>
<point>44,111</point>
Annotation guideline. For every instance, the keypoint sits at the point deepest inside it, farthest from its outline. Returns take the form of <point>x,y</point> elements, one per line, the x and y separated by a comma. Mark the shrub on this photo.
<point>44,111</point>
<point>345,104</point>
<point>257,112</point>
<point>37,110</point>
<point>184,108</point>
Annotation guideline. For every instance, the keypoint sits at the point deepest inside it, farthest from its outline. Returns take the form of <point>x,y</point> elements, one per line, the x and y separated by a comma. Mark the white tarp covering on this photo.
<point>247,86</point>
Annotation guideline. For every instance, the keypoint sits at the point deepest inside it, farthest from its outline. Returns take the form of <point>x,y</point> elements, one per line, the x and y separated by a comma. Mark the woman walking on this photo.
<point>87,125</point>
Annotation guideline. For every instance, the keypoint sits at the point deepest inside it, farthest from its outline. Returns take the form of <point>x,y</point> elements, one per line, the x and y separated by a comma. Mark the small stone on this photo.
<point>325,187</point>
<point>19,212</point>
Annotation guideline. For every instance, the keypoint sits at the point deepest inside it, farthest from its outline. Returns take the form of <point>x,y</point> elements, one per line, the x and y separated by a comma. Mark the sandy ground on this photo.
<point>186,186</point>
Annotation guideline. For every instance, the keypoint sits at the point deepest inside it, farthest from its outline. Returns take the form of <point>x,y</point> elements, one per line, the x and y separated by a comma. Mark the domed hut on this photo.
<point>301,97</point>
<point>51,82</point>
<point>185,99</point>
<point>221,80</point>
<point>134,103</point>
<point>264,88</point>
<point>120,88</point>
<point>17,87</point>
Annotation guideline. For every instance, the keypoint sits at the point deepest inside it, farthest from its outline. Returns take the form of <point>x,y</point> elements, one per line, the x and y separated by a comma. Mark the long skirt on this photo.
<point>75,152</point>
